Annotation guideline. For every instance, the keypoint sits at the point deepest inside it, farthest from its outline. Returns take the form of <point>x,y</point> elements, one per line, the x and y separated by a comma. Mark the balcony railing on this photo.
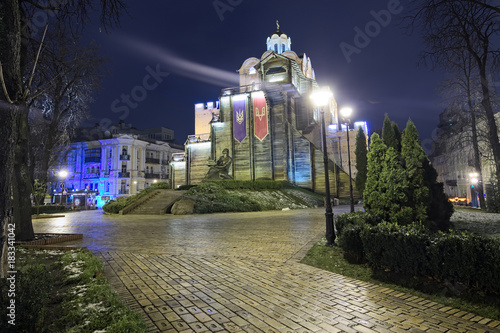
<point>122,191</point>
<point>151,175</point>
<point>152,160</point>
<point>91,175</point>
<point>92,159</point>
<point>124,157</point>
<point>123,174</point>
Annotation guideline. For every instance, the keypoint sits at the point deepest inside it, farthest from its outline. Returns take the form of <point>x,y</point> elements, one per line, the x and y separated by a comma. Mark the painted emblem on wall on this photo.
<point>239,119</point>
<point>260,116</point>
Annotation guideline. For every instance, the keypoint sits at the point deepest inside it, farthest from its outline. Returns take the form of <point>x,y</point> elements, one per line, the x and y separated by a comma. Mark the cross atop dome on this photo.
<point>278,42</point>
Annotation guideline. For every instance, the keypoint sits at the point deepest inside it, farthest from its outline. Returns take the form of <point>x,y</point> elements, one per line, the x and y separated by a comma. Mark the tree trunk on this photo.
<point>5,176</point>
<point>490,120</point>
<point>22,182</point>
<point>475,147</point>
<point>10,56</point>
<point>14,108</point>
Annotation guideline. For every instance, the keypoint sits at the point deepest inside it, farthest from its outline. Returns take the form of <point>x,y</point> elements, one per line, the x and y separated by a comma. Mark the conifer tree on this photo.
<point>397,134</point>
<point>393,187</point>
<point>371,194</point>
<point>361,153</point>
<point>388,134</point>
<point>414,157</point>
<point>439,210</point>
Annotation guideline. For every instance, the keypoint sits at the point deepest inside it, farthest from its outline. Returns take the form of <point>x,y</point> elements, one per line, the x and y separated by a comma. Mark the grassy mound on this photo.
<point>247,196</point>
<point>114,206</point>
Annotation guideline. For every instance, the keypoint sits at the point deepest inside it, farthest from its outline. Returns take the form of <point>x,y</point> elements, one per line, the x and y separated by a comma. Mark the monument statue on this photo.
<point>220,169</point>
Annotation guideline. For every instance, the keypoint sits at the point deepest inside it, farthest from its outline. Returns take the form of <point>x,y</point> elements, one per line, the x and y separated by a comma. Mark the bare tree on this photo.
<point>15,36</point>
<point>67,77</point>
<point>453,28</point>
<point>464,100</point>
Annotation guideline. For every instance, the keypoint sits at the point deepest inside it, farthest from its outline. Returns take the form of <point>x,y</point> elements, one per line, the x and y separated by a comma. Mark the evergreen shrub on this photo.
<point>48,209</point>
<point>413,251</point>
<point>493,197</point>
<point>351,243</point>
<point>348,228</point>
<point>401,249</point>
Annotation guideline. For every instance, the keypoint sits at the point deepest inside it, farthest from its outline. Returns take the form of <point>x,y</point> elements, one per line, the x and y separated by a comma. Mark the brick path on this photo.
<point>241,273</point>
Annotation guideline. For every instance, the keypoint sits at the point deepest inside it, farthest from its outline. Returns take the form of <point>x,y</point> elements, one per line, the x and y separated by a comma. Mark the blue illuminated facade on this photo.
<point>109,168</point>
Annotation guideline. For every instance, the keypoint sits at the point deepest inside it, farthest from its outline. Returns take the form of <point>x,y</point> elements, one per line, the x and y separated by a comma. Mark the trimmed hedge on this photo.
<point>48,209</point>
<point>402,249</point>
<point>414,251</point>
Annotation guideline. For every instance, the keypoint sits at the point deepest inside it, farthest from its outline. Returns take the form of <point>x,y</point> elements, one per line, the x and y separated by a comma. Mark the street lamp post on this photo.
<point>62,174</point>
<point>474,182</point>
<point>346,113</point>
<point>321,98</point>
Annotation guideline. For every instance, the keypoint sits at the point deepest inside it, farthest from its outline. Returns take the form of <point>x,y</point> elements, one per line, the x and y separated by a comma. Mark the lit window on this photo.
<point>252,71</point>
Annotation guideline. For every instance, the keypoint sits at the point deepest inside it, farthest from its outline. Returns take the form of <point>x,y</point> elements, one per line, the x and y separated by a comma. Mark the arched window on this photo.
<point>276,47</point>
<point>283,47</point>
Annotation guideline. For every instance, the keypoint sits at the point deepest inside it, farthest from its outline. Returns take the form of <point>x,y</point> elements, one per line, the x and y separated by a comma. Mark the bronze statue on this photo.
<point>220,170</point>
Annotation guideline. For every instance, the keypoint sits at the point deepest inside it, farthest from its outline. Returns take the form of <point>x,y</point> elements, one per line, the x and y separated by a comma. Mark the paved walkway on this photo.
<point>241,273</point>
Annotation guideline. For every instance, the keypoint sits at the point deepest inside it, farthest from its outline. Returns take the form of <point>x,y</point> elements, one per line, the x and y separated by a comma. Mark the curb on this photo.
<point>54,240</point>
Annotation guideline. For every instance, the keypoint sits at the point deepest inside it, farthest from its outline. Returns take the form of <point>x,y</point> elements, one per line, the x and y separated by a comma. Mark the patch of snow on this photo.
<point>472,216</point>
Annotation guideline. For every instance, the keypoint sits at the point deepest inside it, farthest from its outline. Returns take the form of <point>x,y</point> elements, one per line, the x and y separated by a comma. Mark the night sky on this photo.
<point>201,50</point>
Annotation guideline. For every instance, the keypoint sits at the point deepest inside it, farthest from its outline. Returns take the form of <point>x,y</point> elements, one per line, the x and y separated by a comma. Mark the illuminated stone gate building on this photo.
<point>269,125</point>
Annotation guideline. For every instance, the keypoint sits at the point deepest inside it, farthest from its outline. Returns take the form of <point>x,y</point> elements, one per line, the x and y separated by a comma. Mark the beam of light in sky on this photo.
<point>179,66</point>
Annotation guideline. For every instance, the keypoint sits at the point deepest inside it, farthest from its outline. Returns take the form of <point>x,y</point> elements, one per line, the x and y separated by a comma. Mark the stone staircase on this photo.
<point>155,204</point>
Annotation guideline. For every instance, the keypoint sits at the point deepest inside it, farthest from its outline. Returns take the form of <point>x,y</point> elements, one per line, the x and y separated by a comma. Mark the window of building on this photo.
<point>283,47</point>
<point>276,47</point>
<point>92,155</point>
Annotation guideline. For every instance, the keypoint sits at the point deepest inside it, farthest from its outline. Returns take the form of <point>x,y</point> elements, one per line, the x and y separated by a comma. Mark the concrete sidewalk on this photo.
<point>241,273</point>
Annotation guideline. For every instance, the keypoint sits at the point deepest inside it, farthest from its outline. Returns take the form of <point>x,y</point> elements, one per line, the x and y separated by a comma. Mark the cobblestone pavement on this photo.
<point>241,273</point>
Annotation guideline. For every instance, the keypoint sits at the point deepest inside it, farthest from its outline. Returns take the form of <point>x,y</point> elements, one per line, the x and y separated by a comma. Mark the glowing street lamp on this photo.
<point>62,174</point>
<point>322,98</point>
<point>346,114</point>
<point>474,180</point>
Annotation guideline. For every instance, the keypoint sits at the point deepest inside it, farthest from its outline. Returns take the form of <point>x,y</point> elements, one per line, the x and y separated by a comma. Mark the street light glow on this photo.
<point>346,112</point>
<point>63,174</point>
<point>321,97</point>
